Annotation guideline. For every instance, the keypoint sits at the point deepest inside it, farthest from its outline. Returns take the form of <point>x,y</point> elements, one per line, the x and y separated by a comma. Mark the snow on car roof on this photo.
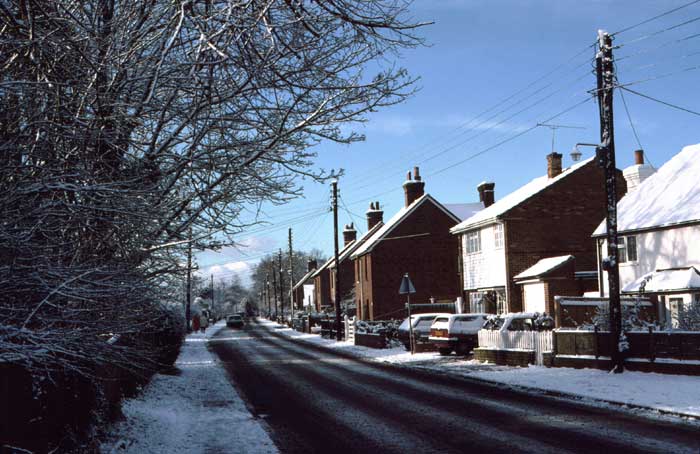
<point>668,197</point>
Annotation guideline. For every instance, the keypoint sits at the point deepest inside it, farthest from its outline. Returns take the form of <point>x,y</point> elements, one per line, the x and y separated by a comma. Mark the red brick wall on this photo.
<point>430,261</point>
<point>347,279</point>
<point>557,221</point>
<point>322,289</point>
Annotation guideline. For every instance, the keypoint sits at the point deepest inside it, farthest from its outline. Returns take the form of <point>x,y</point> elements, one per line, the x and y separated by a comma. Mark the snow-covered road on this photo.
<point>315,400</point>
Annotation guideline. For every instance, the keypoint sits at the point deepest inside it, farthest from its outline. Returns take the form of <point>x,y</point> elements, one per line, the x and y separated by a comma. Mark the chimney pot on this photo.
<point>553,164</point>
<point>349,234</point>
<point>374,215</point>
<point>486,193</point>
<point>311,265</point>
<point>413,189</point>
<point>639,157</point>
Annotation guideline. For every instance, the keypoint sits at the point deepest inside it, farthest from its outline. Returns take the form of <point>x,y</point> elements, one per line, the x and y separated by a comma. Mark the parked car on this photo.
<point>520,321</point>
<point>456,332</point>
<point>421,328</point>
<point>234,321</point>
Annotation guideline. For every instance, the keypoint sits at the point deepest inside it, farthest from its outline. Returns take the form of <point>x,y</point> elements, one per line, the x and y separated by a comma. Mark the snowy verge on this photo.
<point>674,394</point>
<point>196,411</point>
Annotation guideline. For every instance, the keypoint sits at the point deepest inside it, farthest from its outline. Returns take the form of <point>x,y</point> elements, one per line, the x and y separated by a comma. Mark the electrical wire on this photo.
<point>661,46</point>
<point>658,16</point>
<point>629,117</point>
<point>660,101</point>
<point>661,76</point>
<point>511,138</point>
<point>659,32</point>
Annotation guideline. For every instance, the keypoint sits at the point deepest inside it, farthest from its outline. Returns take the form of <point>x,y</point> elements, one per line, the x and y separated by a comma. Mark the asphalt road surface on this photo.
<point>314,400</point>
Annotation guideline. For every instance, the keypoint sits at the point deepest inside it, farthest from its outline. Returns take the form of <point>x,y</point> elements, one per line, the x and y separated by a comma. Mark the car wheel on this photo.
<point>407,347</point>
<point>463,349</point>
<point>444,351</point>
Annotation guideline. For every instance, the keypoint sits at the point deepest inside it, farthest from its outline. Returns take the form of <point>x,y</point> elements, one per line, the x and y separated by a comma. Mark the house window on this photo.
<point>498,235</point>
<point>627,249</point>
<point>473,241</point>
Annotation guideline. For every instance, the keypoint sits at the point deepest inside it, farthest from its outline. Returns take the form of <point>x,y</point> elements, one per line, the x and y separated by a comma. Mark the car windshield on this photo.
<point>235,317</point>
<point>441,320</point>
<point>424,323</point>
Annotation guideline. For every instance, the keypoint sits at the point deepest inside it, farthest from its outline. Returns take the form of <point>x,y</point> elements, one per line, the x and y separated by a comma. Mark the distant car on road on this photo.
<point>421,328</point>
<point>234,321</point>
<point>456,332</point>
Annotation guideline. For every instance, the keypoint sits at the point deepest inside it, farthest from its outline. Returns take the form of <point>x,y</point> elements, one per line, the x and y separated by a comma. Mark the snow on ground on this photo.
<point>197,411</point>
<point>671,393</point>
<point>674,393</point>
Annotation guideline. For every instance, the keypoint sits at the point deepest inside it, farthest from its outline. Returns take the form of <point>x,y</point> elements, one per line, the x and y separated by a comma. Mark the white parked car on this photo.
<point>456,332</point>
<point>421,328</point>
<point>520,321</point>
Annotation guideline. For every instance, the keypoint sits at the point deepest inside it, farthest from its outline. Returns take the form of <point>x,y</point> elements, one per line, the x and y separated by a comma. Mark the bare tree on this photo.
<point>132,128</point>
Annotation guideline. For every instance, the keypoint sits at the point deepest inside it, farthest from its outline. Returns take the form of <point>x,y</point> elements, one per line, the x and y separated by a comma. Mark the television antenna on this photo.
<point>554,128</point>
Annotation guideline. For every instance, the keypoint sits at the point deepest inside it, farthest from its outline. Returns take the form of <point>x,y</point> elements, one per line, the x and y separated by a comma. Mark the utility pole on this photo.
<point>291,272</point>
<point>336,275</point>
<point>605,72</point>
<point>211,310</point>
<point>267,295</point>
<point>188,305</point>
<point>274,283</point>
<point>279,270</point>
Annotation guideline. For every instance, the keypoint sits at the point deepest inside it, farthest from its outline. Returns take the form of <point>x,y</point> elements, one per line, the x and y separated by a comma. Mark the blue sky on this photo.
<point>480,53</point>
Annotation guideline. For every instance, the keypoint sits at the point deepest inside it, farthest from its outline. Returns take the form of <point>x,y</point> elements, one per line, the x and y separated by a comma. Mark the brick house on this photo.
<point>324,277</point>
<point>303,290</point>
<point>417,241</point>
<point>550,217</point>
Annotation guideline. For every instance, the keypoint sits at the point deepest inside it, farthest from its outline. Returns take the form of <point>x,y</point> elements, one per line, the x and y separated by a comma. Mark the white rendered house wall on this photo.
<point>487,267</point>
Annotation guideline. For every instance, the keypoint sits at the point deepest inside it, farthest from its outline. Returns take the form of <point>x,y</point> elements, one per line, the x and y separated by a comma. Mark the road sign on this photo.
<point>406,285</point>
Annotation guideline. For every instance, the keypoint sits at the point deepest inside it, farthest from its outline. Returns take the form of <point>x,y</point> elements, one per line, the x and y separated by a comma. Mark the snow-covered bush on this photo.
<point>388,328</point>
<point>689,317</point>
<point>632,318</point>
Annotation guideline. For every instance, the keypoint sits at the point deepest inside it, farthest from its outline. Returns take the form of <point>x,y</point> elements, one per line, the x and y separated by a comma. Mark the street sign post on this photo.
<point>406,289</point>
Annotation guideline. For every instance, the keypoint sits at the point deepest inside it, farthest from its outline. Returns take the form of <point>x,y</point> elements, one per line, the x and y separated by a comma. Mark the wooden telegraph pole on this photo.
<point>274,283</point>
<point>279,271</point>
<point>605,72</point>
<point>336,278</point>
<point>291,273</point>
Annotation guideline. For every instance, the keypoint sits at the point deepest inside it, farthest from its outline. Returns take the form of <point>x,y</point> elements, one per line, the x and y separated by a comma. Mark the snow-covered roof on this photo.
<point>305,278</point>
<point>347,252</point>
<point>348,249</point>
<point>669,280</point>
<point>395,220</point>
<point>464,210</point>
<point>515,198</point>
<point>668,197</point>
<point>544,266</point>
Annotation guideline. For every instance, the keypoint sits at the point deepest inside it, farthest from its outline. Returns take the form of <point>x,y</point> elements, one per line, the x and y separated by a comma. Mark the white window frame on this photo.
<point>473,241</point>
<point>624,247</point>
<point>498,236</point>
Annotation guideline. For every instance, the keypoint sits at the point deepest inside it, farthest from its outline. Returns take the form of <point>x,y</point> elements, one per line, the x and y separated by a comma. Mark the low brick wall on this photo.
<point>505,357</point>
<point>370,340</point>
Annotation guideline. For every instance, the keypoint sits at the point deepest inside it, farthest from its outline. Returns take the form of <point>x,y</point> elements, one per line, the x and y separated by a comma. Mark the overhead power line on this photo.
<point>659,32</point>
<point>658,16</point>
<point>660,101</point>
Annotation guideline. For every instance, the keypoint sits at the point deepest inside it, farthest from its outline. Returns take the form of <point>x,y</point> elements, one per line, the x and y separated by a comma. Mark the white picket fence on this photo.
<point>350,329</point>
<point>539,341</point>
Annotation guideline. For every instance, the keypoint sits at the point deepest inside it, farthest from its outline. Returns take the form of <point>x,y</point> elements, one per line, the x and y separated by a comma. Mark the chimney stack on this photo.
<point>311,265</point>
<point>349,234</point>
<point>413,187</point>
<point>375,215</point>
<point>637,173</point>
<point>553,164</point>
<point>486,193</point>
